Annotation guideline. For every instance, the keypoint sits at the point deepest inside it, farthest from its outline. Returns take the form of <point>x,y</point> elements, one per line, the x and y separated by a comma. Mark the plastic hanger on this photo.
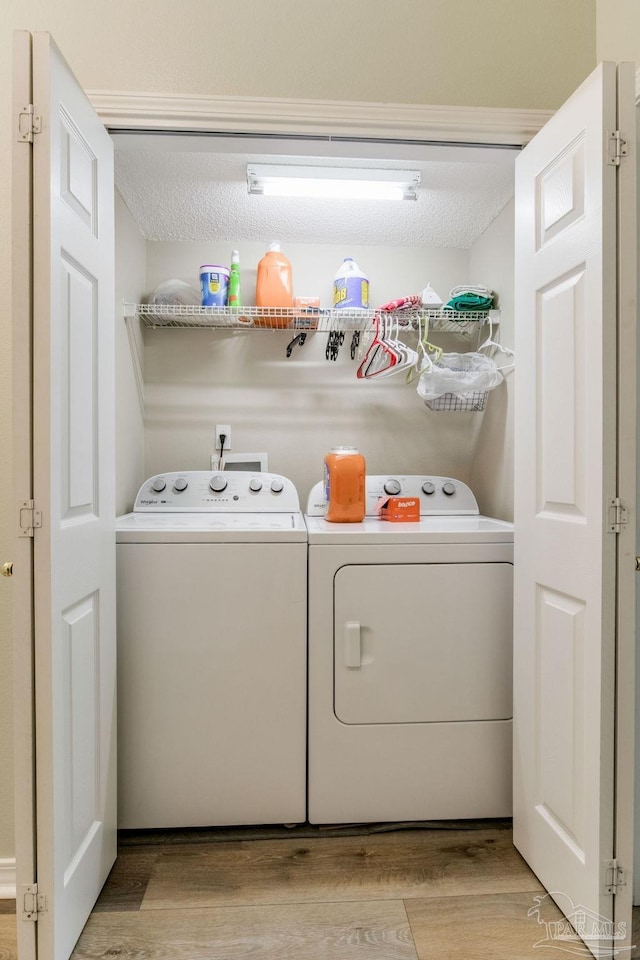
<point>380,356</point>
<point>298,339</point>
<point>493,344</point>
<point>387,354</point>
<point>407,357</point>
<point>427,353</point>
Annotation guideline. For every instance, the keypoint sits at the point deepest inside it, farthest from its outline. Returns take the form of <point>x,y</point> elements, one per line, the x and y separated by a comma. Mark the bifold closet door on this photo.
<point>73,387</point>
<point>572,305</point>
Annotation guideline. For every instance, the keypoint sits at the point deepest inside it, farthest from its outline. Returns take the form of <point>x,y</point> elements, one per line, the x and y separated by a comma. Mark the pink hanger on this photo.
<point>380,356</point>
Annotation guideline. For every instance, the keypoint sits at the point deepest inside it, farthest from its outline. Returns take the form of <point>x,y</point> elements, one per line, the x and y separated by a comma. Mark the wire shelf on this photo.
<point>299,318</point>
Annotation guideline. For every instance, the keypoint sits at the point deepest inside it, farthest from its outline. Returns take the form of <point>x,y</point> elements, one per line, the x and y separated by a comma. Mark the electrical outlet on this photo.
<point>226,429</point>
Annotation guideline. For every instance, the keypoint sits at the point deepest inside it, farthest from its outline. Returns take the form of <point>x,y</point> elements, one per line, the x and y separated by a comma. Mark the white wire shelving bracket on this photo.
<point>297,318</point>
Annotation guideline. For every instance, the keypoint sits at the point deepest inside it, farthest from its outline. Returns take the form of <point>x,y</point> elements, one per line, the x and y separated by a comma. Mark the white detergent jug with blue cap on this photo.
<point>350,286</point>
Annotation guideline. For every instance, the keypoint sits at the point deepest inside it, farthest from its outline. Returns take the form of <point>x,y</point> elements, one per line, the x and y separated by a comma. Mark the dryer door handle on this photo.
<point>352,645</point>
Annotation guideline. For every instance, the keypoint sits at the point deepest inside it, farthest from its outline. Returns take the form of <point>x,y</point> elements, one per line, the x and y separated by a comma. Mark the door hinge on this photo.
<point>617,148</point>
<point>617,515</point>
<point>33,903</point>
<point>29,123</point>
<point>614,876</point>
<point>29,518</point>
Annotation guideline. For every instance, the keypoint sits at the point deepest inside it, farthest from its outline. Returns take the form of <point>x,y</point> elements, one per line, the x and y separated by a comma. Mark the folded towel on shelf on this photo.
<point>471,288</point>
<point>470,298</point>
<point>468,302</point>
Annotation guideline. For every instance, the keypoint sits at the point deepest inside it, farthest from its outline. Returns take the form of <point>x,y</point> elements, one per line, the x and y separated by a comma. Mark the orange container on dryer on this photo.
<point>344,485</point>
<point>274,287</point>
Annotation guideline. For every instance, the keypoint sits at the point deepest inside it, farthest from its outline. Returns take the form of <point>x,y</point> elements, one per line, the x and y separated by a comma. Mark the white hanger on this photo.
<point>493,344</point>
<point>427,353</point>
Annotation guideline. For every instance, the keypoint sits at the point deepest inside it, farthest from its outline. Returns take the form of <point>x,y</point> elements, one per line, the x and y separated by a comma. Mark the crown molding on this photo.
<point>264,115</point>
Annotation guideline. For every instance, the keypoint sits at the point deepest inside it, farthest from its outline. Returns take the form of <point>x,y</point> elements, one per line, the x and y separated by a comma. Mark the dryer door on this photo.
<point>422,643</point>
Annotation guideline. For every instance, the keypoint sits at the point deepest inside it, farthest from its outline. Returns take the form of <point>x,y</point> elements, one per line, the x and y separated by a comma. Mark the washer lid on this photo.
<point>463,529</point>
<point>210,528</point>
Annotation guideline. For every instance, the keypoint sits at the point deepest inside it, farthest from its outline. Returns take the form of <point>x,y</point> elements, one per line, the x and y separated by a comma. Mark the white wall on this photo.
<point>618,30</point>
<point>498,53</point>
<point>491,263</point>
<point>392,271</point>
<point>297,408</point>
<point>131,262</point>
<point>495,53</point>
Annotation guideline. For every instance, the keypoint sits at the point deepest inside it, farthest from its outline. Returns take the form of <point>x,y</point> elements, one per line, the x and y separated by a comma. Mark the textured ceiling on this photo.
<point>200,193</point>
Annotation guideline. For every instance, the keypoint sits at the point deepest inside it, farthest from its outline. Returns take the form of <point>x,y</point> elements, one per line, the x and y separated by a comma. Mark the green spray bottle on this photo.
<point>233,294</point>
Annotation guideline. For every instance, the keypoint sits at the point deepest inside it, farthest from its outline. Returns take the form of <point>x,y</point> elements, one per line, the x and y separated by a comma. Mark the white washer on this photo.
<point>410,659</point>
<point>212,593</point>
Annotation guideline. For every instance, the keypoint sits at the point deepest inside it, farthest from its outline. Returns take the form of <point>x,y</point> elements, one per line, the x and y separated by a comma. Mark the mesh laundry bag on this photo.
<point>458,381</point>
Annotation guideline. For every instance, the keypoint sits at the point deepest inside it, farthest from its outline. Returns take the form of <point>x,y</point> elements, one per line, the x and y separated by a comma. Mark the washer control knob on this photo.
<point>218,483</point>
<point>392,487</point>
<point>255,484</point>
<point>181,484</point>
<point>448,489</point>
<point>429,488</point>
<point>277,486</point>
<point>158,484</point>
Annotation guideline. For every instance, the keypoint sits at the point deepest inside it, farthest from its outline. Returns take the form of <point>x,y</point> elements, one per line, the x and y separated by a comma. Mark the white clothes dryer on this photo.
<point>212,652</point>
<point>410,659</point>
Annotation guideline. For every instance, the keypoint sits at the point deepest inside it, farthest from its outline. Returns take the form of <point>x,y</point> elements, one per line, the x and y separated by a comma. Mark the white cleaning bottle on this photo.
<point>350,286</point>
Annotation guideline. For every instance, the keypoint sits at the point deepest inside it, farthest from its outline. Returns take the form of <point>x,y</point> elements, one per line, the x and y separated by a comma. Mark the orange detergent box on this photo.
<point>399,509</point>
<point>308,315</point>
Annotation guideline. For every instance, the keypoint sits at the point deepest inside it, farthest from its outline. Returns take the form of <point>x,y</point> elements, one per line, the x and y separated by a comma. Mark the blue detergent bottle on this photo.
<point>350,286</point>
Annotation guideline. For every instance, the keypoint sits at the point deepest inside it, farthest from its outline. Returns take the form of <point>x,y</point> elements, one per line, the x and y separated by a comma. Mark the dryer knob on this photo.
<point>392,487</point>
<point>449,489</point>
<point>218,483</point>
<point>255,484</point>
<point>277,486</point>
<point>158,484</point>
<point>428,488</point>
<point>181,484</point>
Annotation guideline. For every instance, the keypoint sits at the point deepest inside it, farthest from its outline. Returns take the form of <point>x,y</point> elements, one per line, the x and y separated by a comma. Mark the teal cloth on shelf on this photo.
<point>469,301</point>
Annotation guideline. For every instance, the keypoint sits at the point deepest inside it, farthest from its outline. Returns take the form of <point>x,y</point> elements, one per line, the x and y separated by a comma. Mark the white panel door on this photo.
<point>565,477</point>
<point>74,551</point>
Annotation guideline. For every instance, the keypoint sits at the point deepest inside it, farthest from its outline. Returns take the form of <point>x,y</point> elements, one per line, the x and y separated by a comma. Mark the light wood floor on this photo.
<point>408,894</point>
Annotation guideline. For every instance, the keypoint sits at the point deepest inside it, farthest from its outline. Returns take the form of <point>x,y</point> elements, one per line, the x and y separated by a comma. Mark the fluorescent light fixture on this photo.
<point>350,183</point>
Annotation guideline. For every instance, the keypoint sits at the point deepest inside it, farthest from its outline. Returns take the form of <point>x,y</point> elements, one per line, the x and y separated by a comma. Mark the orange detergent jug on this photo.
<point>274,287</point>
<point>344,481</point>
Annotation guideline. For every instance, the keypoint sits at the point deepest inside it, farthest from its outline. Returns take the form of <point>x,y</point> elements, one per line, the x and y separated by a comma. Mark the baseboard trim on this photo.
<point>8,879</point>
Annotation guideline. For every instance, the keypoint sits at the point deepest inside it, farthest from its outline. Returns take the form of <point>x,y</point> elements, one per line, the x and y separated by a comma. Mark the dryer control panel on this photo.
<point>438,496</point>
<point>226,491</point>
